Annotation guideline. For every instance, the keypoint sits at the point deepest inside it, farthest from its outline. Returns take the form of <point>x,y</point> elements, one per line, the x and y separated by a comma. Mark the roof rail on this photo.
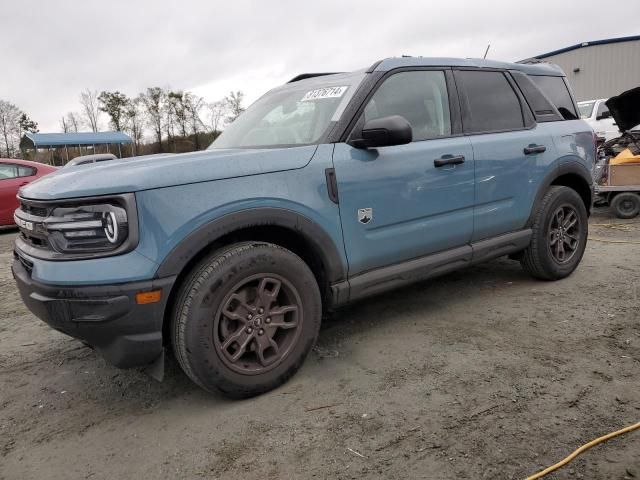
<point>373,67</point>
<point>304,76</point>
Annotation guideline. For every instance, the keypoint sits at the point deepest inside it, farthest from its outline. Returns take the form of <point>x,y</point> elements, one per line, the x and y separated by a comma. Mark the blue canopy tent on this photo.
<point>35,141</point>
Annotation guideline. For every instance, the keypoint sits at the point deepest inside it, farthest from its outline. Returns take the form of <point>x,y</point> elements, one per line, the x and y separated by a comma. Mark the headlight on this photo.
<point>77,228</point>
<point>87,228</point>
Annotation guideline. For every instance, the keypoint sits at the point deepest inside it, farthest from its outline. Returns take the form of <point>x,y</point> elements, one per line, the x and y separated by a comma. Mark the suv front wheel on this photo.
<point>560,229</point>
<point>246,318</point>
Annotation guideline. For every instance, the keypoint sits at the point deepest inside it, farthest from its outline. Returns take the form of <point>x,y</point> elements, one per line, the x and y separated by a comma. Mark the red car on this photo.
<point>13,175</point>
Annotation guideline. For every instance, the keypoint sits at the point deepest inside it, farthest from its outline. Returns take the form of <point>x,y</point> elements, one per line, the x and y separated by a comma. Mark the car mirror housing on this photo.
<point>384,132</point>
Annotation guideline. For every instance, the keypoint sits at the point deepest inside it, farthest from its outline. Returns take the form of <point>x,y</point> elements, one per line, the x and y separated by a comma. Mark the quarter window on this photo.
<point>420,97</point>
<point>491,103</point>
<point>26,171</point>
<point>558,93</point>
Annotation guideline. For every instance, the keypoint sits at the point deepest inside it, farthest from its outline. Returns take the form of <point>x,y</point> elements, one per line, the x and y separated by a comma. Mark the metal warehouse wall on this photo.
<point>605,70</point>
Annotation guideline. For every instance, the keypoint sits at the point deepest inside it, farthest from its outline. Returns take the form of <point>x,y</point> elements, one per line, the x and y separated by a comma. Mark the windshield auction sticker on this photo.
<point>321,93</point>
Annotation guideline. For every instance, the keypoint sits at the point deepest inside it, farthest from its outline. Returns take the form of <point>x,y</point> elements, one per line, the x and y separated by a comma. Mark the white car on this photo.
<point>598,116</point>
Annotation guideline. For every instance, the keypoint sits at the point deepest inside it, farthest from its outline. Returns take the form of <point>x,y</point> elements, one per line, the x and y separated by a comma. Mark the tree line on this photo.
<point>157,119</point>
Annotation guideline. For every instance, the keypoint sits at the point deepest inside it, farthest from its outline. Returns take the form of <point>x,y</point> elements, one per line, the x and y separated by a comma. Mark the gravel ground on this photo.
<point>484,373</point>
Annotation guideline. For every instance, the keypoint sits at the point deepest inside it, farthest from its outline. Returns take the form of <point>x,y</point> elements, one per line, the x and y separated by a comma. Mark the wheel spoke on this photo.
<point>237,309</point>
<point>264,345</point>
<point>279,317</point>
<point>560,251</point>
<point>570,220</point>
<point>268,291</point>
<point>553,234</point>
<point>571,242</point>
<point>240,340</point>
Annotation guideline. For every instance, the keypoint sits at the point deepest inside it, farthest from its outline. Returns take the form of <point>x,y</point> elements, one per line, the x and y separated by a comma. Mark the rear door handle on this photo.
<point>533,148</point>
<point>448,160</point>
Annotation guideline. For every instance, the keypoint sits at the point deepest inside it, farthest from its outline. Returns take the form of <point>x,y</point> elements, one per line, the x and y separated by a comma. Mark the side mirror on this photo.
<point>603,115</point>
<point>384,132</point>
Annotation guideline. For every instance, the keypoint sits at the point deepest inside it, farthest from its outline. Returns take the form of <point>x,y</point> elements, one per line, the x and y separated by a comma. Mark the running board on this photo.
<point>411,271</point>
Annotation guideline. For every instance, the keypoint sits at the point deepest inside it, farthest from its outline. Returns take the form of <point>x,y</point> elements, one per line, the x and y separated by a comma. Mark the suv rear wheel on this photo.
<point>560,229</point>
<point>246,318</point>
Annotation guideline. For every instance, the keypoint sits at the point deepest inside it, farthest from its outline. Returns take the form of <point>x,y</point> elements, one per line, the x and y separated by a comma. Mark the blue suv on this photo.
<point>328,189</point>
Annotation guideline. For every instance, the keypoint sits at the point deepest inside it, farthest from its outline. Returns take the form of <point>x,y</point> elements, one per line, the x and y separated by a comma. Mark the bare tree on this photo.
<point>90,108</point>
<point>234,103</point>
<point>9,127</point>
<point>216,111</point>
<point>193,104</point>
<point>135,121</point>
<point>177,110</point>
<point>70,123</point>
<point>73,119</point>
<point>152,101</point>
<point>64,125</point>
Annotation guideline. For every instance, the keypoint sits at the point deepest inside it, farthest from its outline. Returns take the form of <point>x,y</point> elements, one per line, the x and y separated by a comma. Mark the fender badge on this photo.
<point>365,215</point>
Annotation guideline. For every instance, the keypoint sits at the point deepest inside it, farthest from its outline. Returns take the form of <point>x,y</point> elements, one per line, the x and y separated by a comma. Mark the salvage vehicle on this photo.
<point>13,175</point>
<point>327,190</point>
<point>597,115</point>
<point>617,173</point>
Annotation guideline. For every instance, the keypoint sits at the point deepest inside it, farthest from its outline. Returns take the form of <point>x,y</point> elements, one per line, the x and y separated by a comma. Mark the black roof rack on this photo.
<point>304,76</point>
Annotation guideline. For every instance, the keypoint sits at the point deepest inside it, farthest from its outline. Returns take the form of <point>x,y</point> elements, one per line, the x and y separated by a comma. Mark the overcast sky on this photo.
<point>50,50</point>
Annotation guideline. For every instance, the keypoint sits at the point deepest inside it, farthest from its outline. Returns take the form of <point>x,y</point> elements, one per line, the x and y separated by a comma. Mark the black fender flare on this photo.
<point>563,168</point>
<point>201,238</point>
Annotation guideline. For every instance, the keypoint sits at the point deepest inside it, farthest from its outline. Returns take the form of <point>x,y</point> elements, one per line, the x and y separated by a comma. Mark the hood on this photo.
<point>625,109</point>
<point>158,171</point>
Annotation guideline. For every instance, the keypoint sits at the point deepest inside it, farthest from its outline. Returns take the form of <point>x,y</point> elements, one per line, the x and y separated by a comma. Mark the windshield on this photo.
<point>297,113</point>
<point>586,109</point>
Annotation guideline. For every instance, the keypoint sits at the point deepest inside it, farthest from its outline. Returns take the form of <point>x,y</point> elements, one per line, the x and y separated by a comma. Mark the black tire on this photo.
<point>626,205</point>
<point>542,258</point>
<point>215,303</point>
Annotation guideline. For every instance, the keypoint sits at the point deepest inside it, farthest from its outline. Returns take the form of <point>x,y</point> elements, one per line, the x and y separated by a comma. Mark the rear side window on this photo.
<point>420,97</point>
<point>491,103</point>
<point>558,92</point>
<point>26,171</point>
<point>8,171</point>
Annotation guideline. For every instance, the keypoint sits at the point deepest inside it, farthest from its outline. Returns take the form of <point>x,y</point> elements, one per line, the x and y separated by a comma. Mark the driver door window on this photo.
<point>420,97</point>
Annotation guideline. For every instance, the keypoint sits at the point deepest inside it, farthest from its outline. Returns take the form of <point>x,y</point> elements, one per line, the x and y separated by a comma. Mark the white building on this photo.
<point>599,69</point>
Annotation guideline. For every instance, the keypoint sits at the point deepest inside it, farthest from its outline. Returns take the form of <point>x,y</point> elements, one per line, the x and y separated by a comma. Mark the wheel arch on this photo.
<point>571,174</point>
<point>283,227</point>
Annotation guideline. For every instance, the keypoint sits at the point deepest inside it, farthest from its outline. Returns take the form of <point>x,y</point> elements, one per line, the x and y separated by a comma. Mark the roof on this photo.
<point>44,140</point>
<point>589,44</point>
<point>530,69</point>
<point>26,163</point>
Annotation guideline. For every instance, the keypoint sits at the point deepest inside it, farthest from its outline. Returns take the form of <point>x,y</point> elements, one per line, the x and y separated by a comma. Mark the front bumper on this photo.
<point>106,317</point>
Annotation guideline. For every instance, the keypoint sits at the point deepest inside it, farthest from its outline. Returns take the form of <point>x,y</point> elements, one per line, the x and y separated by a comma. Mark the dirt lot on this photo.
<point>484,373</point>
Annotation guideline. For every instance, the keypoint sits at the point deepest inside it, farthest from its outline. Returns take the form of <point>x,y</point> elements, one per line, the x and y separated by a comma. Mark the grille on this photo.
<point>35,236</point>
<point>33,210</point>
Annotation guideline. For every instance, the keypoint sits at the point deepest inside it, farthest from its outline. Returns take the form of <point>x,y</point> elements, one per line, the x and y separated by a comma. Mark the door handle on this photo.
<point>448,160</point>
<point>533,148</point>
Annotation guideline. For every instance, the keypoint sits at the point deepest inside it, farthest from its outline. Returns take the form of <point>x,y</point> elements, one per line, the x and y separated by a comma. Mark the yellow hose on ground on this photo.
<point>586,446</point>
